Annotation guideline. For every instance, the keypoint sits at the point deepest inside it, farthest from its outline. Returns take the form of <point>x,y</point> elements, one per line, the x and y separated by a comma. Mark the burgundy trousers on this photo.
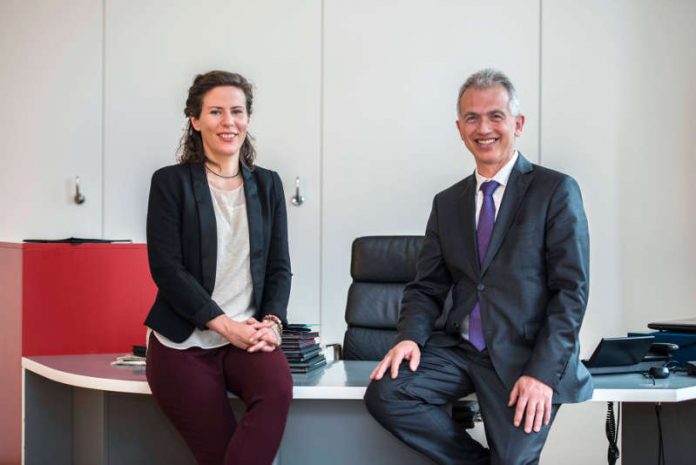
<point>190,386</point>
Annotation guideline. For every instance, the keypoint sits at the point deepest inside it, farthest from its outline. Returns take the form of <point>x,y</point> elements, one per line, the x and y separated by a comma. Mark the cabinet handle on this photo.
<point>78,198</point>
<point>297,199</point>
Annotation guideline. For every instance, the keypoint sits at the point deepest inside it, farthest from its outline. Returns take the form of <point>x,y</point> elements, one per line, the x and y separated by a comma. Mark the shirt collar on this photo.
<point>502,176</point>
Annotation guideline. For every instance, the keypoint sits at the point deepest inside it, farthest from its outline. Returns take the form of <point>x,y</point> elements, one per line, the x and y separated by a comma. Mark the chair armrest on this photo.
<point>337,350</point>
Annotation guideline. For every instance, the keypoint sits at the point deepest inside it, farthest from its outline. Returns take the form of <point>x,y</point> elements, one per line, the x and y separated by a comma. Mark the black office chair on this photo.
<point>381,266</point>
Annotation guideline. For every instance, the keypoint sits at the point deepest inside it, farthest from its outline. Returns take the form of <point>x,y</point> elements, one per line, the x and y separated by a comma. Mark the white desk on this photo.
<point>339,380</point>
<point>635,387</point>
<point>639,431</point>
<point>79,409</point>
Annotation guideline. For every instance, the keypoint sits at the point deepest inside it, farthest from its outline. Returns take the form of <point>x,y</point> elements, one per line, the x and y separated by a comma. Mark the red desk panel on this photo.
<point>65,299</point>
<point>82,299</point>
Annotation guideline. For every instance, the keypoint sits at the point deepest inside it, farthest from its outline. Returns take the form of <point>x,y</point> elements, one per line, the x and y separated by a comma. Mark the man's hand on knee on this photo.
<point>404,350</point>
<point>533,399</point>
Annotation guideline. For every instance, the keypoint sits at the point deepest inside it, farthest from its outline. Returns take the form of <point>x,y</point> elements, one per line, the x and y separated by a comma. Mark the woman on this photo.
<point>218,252</point>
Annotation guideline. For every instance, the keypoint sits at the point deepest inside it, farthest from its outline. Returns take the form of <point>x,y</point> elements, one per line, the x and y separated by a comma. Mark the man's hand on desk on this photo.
<point>533,399</point>
<point>404,350</point>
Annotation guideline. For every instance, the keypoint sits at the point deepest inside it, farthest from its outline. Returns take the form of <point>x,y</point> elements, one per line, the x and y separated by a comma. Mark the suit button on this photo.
<point>480,287</point>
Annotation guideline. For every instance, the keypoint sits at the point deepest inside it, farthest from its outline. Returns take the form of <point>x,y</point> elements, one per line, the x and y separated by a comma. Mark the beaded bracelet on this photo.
<point>278,336</point>
<point>276,320</point>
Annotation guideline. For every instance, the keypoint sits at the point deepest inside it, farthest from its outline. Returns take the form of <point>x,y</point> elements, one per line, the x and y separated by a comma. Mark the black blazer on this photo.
<point>532,287</point>
<point>182,247</point>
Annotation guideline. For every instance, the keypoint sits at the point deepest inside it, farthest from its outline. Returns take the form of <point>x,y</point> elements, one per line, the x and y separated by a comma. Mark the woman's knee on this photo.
<point>283,393</point>
<point>277,390</point>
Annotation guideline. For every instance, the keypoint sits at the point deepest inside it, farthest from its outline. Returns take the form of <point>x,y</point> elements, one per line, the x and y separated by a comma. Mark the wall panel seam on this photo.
<point>322,19</point>
<point>103,122</point>
<point>541,45</point>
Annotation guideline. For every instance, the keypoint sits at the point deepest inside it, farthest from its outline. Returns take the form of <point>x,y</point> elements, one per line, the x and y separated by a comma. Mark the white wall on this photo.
<point>392,72</point>
<point>617,113</point>
<point>151,57</point>
<point>357,98</point>
<point>50,126</point>
<point>658,185</point>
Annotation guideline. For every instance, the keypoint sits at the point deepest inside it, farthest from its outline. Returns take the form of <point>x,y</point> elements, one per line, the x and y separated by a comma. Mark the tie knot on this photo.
<point>489,187</point>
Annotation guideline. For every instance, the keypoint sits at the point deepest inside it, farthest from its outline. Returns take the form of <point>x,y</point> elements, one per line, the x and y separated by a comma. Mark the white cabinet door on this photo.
<point>392,73</point>
<point>154,49</point>
<point>50,126</point>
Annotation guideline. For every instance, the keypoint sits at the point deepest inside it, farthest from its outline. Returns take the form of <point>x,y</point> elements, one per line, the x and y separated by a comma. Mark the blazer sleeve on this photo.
<point>423,298</point>
<point>567,261</point>
<point>177,286</point>
<point>278,276</point>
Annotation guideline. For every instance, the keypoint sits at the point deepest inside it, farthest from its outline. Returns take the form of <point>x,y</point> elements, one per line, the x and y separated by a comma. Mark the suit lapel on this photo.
<point>255,220</point>
<point>208,226</point>
<point>467,220</point>
<point>514,193</point>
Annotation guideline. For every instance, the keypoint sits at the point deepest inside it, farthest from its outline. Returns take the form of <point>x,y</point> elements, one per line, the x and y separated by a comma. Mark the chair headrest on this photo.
<point>385,259</point>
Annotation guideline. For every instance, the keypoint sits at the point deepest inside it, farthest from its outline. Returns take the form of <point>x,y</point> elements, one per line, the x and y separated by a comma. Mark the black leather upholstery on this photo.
<point>385,259</point>
<point>380,266</point>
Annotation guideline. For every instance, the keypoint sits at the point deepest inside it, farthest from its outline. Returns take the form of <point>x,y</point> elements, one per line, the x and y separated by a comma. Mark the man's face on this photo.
<point>488,128</point>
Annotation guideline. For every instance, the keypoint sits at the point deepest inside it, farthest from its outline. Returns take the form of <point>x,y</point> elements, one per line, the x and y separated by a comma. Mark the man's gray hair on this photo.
<point>487,78</point>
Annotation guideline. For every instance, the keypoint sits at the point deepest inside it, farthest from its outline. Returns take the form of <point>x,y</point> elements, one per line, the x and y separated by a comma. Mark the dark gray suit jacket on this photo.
<point>532,287</point>
<point>182,247</point>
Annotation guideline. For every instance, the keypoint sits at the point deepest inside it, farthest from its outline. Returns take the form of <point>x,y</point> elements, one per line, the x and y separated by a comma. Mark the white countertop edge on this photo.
<point>88,382</point>
<point>337,392</point>
<point>329,392</point>
<point>141,387</point>
<point>686,394</point>
<point>642,395</point>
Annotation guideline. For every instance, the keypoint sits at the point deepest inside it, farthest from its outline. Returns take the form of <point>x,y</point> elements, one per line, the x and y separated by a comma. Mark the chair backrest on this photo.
<point>381,266</point>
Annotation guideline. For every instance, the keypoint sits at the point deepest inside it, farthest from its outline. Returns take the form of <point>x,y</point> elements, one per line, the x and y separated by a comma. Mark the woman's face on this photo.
<point>223,122</point>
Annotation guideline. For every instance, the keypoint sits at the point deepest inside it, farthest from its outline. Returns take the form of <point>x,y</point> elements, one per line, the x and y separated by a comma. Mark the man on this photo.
<point>511,244</point>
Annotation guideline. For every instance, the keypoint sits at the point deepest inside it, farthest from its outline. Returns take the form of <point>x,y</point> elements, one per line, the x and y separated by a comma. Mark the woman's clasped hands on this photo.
<point>252,335</point>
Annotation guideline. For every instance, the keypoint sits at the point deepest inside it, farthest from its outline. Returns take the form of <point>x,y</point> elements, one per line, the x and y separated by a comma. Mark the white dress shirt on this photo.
<point>502,177</point>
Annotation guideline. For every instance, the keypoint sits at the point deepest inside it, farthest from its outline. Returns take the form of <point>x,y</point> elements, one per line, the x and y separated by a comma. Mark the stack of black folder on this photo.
<point>302,349</point>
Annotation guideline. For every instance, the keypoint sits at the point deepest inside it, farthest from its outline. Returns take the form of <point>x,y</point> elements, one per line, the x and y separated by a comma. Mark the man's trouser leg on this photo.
<point>412,407</point>
<point>508,445</point>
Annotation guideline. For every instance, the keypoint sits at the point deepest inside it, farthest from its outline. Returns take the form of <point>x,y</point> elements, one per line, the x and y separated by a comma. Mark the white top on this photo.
<point>233,290</point>
<point>502,177</point>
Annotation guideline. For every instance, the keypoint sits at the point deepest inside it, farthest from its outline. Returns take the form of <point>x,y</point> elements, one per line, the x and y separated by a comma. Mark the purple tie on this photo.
<point>483,237</point>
